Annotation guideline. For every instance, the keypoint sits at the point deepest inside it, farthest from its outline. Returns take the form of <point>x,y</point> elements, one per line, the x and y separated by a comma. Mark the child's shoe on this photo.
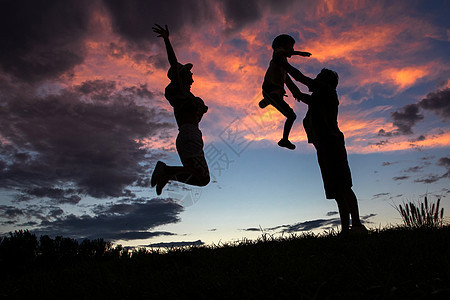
<point>263,103</point>
<point>162,181</point>
<point>286,144</point>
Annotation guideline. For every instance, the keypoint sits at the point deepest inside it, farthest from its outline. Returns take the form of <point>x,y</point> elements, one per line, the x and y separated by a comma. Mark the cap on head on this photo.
<point>281,40</point>
<point>172,73</point>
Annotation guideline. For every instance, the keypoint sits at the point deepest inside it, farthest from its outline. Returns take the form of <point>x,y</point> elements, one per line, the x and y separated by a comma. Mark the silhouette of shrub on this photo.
<point>422,215</point>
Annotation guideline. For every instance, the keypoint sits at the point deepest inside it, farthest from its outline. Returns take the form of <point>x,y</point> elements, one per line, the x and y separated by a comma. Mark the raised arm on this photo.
<point>298,95</point>
<point>292,87</point>
<point>297,75</point>
<point>164,33</point>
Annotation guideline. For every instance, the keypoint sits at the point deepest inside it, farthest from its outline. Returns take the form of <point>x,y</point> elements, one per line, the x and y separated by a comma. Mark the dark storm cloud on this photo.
<point>58,196</point>
<point>380,195</point>
<point>240,13</point>
<point>60,140</point>
<point>309,225</point>
<point>429,179</point>
<point>387,163</point>
<point>133,19</point>
<point>420,138</point>
<point>445,162</point>
<point>97,89</point>
<point>397,178</point>
<point>413,169</point>
<point>30,212</point>
<point>406,118</point>
<point>42,39</point>
<point>10,212</point>
<point>437,102</point>
<point>131,221</point>
<point>385,133</point>
<point>380,143</point>
<point>176,244</point>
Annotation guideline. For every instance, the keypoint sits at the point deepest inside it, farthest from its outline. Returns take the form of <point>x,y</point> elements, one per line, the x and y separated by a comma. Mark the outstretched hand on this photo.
<point>306,54</point>
<point>164,33</point>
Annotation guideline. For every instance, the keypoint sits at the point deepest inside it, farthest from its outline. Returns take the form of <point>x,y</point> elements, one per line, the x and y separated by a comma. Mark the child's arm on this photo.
<point>301,53</point>
<point>279,53</point>
<point>164,33</point>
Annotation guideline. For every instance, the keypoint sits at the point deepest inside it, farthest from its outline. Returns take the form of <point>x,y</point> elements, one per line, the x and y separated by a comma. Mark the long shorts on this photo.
<point>332,157</point>
<point>278,102</point>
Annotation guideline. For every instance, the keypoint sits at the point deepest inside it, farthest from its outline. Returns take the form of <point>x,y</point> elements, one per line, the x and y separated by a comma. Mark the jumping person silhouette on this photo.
<point>188,111</point>
<point>275,79</point>
<point>322,130</point>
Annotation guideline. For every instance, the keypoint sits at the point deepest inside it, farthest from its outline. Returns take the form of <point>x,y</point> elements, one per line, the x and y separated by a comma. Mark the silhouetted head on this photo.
<point>283,41</point>
<point>184,73</point>
<point>329,77</point>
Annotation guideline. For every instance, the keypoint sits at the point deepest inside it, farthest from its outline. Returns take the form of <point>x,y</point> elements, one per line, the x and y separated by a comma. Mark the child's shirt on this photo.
<point>275,76</point>
<point>320,121</point>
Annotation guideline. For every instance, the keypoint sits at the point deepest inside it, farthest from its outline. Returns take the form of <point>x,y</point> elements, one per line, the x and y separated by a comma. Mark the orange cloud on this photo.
<point>231,78</point>
<point>401,143</point>
<point>406,77</point>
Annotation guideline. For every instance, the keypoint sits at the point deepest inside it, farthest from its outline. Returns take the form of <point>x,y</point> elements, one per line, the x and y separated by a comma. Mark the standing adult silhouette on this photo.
<point>322,129</point>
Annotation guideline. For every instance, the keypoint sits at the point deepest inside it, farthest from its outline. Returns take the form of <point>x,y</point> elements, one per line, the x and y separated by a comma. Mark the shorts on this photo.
<point>189,145</point>
<point>333,163</point>
<point>189,142</point>
<point>276,100</point>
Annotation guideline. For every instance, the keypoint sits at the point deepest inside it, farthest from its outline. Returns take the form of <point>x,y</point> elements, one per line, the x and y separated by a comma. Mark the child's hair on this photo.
<point>330,76</point>
<point>281,40</point>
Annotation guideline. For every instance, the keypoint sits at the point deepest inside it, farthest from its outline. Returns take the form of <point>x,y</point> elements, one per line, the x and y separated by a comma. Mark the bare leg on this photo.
<point>344,214</point>
<point>353,207</point>
<point>287,128</point>
<point>284,142</point>
<point>350,208</point>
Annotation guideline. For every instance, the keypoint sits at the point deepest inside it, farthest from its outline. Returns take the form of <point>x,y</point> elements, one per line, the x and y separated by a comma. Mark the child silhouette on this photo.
<point>275,79</point>
<point>188,111</point>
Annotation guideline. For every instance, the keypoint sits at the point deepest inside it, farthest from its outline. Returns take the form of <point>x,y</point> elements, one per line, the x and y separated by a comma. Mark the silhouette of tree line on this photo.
<point>23,249</point>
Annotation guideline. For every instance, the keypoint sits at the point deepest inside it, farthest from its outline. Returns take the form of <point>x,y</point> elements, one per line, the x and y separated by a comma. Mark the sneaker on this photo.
<point>157,172</point>
<point>162,181</point>
<point>263,103</point>
<point>286,144</point>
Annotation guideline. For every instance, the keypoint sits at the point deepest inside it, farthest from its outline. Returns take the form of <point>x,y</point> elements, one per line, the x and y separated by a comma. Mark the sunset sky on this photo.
<point>83,118</point>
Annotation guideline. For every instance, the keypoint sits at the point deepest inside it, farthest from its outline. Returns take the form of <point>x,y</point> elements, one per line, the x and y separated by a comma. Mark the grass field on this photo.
<point>392,263</point>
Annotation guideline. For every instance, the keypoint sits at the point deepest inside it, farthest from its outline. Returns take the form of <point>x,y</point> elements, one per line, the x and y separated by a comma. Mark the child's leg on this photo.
<point>288,124</point>
<point>290,115</point>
